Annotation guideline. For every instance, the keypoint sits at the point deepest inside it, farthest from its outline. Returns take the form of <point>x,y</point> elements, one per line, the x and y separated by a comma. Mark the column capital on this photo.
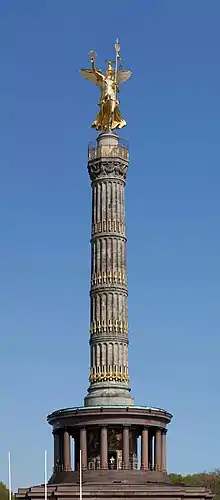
<point>56,432</point>
<point>158,430</point>
<point>163,431</point>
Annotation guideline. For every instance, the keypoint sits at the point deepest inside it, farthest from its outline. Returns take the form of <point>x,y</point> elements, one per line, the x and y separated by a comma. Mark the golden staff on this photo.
<point>117,57</point>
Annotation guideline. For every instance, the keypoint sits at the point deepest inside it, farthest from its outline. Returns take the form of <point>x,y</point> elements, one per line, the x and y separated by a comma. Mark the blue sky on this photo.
<point>172,106</point>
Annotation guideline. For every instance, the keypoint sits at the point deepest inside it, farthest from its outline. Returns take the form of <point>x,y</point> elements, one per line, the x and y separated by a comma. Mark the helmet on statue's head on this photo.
<point>110,69</point>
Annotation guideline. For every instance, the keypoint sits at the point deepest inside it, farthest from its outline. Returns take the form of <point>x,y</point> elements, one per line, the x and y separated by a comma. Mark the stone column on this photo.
<point>157,450</point>
<point>144,449</point>
<point>56,454</point>
<point>83,447</point>
<point>163,451</point>
<point>76,454</point>
<point>150,451</point>
<point>66,451</point>
<point>104,448</point>
<point>126,461</point>
<point>109,379</point>
<point>61,451</point>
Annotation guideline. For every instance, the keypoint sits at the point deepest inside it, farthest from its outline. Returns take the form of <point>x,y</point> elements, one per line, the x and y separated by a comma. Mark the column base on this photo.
<point>103,394</point>
<point>157,468</point>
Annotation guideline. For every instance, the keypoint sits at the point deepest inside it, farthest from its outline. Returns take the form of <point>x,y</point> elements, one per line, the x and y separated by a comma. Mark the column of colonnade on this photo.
<point>62,451</point>
<point>153,449</point>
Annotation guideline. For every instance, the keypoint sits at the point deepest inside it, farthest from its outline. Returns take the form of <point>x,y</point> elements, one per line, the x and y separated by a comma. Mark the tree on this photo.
<point>4,493</point>
<point>210,480</point>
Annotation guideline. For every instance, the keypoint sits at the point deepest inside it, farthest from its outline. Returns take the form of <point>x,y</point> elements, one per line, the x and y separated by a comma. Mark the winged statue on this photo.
<point>109,117</point>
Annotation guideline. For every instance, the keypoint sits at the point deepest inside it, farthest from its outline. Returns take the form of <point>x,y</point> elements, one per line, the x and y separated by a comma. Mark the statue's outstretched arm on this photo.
<point>98,73</point>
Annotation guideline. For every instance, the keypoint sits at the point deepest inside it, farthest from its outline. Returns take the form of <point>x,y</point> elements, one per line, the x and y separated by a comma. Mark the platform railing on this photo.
<point>120,150</point>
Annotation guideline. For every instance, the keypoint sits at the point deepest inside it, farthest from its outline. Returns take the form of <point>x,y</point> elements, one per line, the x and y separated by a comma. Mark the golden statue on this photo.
<point>109,117</point>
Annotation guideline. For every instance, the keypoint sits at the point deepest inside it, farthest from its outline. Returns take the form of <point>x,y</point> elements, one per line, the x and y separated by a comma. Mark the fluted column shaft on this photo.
<point>150,451</point>
<point>56,439</point>
<point>163,451</point>
<point>108,294</point>
<point>109,310</point>
<point>104,448</point>
<point>77,451</point>
<point>144,449</point>
<point>125,439</point>
<point>61,451</point>
<point>83,447</point>
<point>66,451</point>
<point>157,450</point>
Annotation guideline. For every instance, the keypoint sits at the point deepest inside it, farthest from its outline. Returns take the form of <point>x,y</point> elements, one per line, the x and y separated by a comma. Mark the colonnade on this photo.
<point>153,449</point>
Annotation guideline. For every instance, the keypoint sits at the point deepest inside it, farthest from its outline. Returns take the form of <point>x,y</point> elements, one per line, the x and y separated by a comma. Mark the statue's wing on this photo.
<point>123,75</point>
<point>89,74</point>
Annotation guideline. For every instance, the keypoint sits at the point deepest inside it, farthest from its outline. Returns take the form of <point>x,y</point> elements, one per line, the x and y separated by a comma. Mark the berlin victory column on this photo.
<point>106,429</point>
